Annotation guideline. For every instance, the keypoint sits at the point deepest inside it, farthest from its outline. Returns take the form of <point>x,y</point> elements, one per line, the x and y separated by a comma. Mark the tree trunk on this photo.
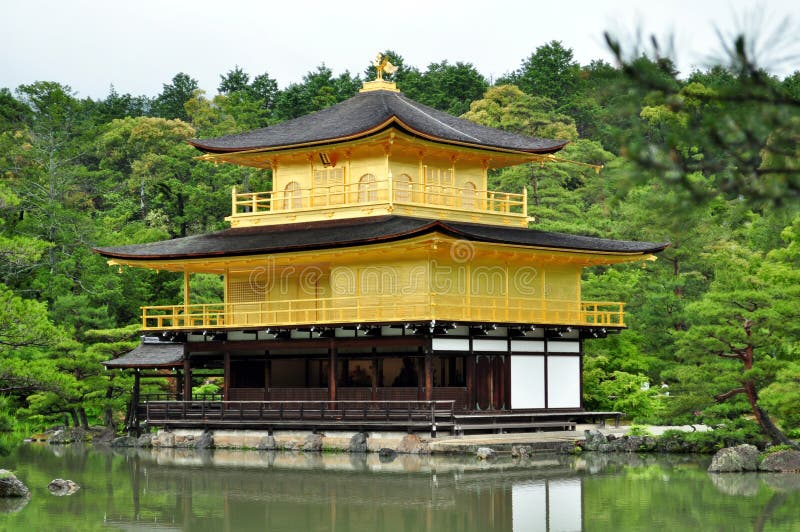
<point>84,420</point>
<point>74,415</point>
<point>108,413</point>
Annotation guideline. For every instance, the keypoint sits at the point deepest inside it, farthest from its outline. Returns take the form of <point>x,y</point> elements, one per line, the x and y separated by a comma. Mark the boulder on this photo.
<point>164,439</point>
<point>68,435</point>
<point>267,443</point>
<point>145,441</point>
<point>386,455</point>
<point>412,444</point>
<point>124,441</point>
<point>781,462</point>
<point>11,486</point>
<point>358,443</point>
<point>735,459</point>
<point>60,487</point>
<point>521,451</point>
<point>102,435</point>
<point>594,439</point>
<point>313,443</point>
<point>485,453</point>
<point>205,441</point>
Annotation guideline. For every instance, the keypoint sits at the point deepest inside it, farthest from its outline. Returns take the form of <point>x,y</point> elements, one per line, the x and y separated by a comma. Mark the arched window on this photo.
<point>367,188</point>
<point>292,196</point>
<point>468,194</point>
<point>402,188</point>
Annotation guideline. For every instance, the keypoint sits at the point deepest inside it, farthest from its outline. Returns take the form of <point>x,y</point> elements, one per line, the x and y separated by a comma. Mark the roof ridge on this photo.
<point>448,126</point>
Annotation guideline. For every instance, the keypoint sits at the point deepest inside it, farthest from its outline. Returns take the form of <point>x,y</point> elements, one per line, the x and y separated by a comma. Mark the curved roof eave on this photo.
<point>394,121</point>
<point>358,232</point>
<point>368,112</point>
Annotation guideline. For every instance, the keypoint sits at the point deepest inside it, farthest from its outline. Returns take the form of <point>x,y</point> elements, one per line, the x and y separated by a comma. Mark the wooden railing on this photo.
<point>382,309</point>
<point>406,414</point>
<point>381,191</point>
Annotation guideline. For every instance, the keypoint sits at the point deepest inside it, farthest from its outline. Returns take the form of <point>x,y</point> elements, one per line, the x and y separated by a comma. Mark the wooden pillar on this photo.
<point>226,382</point>
<point>332,373</point>
<point>178,375</point>
<point>469,370</point>
<point>374,376</point>
<point>428,375</point>
<point>187,379</point>
<point>267,375</point>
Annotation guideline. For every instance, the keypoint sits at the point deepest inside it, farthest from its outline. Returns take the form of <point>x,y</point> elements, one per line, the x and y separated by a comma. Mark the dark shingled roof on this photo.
<point>149,355</point>
<point>357,232</point>
<point>368,112</point>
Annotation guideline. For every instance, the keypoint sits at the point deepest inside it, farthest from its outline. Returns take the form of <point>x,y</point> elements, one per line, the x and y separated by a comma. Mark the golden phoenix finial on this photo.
<point>382,64</point>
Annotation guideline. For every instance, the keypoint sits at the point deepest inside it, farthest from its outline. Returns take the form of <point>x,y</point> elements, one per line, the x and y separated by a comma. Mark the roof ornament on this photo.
<point>382,65</point>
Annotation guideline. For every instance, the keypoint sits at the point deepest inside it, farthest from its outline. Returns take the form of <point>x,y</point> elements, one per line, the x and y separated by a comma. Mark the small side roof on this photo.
<point>369,112</point>
<point>149,355</point>
<point>361,231</point>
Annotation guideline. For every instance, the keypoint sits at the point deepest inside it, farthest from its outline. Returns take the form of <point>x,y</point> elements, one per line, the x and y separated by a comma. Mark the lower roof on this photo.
<point>149,355</point>
<point>362,231</point>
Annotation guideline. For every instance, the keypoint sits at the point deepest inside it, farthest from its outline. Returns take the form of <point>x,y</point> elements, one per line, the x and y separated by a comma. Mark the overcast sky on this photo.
<point>139,45</point>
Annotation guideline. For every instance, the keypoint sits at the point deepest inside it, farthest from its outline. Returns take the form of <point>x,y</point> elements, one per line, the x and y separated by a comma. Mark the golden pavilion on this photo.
<point>379,283</point>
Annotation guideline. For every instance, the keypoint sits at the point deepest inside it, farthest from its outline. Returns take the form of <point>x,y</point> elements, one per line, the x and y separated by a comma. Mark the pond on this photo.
<point>250,490</point>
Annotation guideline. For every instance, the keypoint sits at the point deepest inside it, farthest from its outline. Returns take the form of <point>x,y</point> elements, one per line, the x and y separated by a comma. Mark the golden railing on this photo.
<point>376,192</point>
<point>382,309</point>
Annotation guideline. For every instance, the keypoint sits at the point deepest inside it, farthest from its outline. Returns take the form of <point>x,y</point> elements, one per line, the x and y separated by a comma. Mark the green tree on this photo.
<point>549,72</point>
<point>170,103</point>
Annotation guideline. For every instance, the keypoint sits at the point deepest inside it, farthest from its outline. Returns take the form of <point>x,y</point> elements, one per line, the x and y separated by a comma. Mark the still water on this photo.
<point>248,490</point>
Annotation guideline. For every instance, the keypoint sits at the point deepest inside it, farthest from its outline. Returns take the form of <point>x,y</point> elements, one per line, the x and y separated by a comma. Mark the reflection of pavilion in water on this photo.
<point>285,491</point>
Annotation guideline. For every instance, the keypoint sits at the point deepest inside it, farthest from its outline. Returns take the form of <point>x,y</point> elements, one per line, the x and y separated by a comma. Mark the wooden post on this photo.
<point>374,376</point>
<point>187,379</point>
<point>267,375</point>
<point>428,375</point>
<point>226,382</point>
<point>332,373</point>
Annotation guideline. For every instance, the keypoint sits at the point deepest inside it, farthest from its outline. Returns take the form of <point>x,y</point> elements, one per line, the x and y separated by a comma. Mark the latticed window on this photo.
<point>328,186</point>
<point>247,288</point>
<point>402,187</point>
<point>292,196</point>
<point>367,188</point>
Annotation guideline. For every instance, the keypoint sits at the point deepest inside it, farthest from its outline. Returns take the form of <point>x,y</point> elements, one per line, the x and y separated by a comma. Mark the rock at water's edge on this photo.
<point>412,444</point>
<point>485,453</point>
<point>313,443</point>
<point>11,486</point>
<point>735,459</point>
<point>205,441</point>
<point>781,462</point>
<point>267,443</point>
<point>386,455</point>
<point>358,443</point>
<point>594,439</point>
<point>125,441</point>
<point>60,487</point>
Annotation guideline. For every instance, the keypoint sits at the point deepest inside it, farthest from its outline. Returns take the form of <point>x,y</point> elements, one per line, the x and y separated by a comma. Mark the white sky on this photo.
<point>139,45</point>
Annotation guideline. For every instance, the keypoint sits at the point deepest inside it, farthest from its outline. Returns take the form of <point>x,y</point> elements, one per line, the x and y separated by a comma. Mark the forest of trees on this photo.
<point>709,161</point>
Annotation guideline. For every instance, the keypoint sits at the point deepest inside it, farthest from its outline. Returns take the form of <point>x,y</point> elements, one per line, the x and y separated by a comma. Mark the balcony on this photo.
<point>375,198</point>
<point>382,309</point>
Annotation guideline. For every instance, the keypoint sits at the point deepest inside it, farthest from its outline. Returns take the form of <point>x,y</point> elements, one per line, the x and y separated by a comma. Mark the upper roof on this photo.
<point>361,231</point>
<point>369,112</point>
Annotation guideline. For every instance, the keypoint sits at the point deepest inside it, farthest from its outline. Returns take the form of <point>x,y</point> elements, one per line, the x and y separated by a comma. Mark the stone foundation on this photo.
<point>291,440</point>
